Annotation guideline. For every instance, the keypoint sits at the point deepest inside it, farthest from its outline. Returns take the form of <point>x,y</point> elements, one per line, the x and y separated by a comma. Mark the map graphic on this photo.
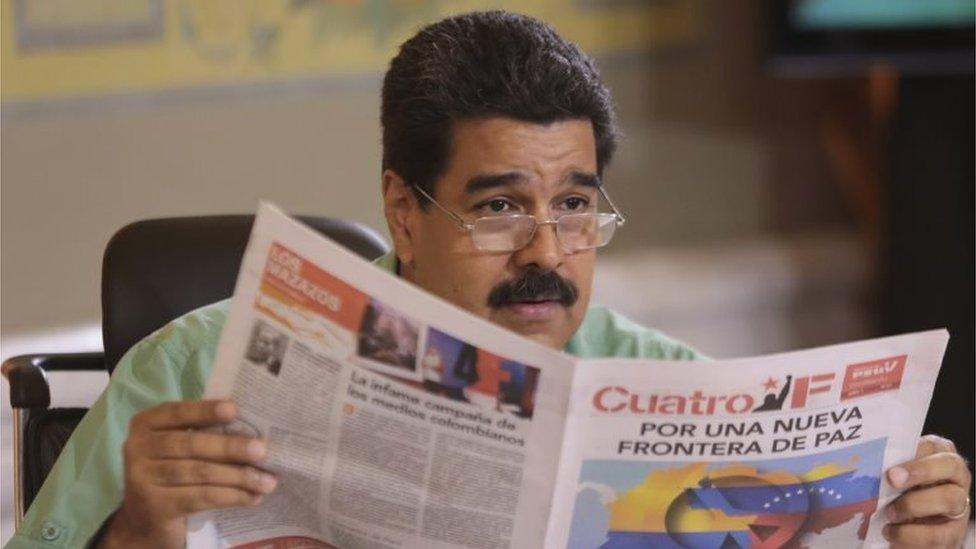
<point>790,502</point>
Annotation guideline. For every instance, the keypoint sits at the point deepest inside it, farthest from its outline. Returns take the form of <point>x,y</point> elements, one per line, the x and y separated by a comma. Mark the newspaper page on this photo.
<point>393,418</point>
<point>396,420</point>
<point>787,450</point>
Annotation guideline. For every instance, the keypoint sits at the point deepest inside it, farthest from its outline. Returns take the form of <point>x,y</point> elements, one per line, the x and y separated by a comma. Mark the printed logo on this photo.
<point>802,387</point>
<point>810,385</point>
<point>875,376</point>
<point>616,399</point>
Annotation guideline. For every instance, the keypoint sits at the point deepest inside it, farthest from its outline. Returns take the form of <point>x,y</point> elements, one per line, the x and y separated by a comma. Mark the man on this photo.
<point>267,347</point>
<point>494,130</point>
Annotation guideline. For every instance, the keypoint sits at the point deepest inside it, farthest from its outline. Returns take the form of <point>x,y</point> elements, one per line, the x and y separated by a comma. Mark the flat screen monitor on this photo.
<point>811,37</point>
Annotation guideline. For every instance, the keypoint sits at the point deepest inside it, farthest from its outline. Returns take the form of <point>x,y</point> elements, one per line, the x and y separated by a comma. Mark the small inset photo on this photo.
<point>388,339</point>
<point>266,347</point>
<point>462,372</point>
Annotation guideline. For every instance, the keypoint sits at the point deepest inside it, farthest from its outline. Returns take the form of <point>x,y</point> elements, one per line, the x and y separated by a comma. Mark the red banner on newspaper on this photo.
<point>296,282</point>
<point>875,376</point>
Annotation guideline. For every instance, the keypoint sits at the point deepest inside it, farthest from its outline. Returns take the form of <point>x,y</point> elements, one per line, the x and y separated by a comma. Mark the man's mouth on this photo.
<point>536,299</point>
<point>535,308</point>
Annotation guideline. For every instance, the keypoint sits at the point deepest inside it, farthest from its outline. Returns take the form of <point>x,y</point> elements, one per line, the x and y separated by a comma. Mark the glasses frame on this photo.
<point>469,227</point>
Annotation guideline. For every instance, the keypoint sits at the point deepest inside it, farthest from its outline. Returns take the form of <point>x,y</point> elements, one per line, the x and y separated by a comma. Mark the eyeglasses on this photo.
<point>509,233</point>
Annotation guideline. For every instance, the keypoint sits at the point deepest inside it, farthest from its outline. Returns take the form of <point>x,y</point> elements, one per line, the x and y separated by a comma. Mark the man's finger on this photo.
<point>933,444</point>
<point>185,414</point>
<point>188,472</point>
<point>186,500</point>
<point>934,468</point>
<point>205,446</point>
<point>945,500</point>
<point>923,534</point>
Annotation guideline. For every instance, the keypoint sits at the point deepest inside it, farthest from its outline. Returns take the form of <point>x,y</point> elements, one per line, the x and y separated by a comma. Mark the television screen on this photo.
<point>874,14</point>
<point>847,36</point>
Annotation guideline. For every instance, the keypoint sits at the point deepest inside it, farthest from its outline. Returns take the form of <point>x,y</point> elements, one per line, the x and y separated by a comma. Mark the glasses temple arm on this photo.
<point>620,217</point>
<point>457,219</point>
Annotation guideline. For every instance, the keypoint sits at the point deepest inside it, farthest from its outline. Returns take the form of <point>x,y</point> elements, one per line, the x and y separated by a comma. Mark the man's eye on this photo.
<point>497,205</point>
<point>575,203</point>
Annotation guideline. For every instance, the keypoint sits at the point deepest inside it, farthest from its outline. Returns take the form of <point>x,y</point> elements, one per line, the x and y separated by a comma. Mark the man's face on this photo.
<point>264,344</point>
<point>501,166</point>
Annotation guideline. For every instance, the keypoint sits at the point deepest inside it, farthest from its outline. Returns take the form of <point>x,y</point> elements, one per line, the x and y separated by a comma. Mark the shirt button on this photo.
<point>50,532</point>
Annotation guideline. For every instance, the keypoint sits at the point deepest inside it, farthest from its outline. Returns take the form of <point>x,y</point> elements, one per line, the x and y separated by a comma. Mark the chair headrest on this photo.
<point>155,270</point>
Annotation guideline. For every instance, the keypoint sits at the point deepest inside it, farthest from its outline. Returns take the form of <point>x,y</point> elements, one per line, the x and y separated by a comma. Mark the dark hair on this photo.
<point>480,64</point>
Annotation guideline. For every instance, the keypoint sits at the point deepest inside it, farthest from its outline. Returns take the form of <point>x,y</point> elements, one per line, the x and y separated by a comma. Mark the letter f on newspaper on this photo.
<point>396,420</point>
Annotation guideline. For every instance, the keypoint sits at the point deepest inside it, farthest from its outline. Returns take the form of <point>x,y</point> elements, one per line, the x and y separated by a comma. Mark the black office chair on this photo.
<point>152,272</point>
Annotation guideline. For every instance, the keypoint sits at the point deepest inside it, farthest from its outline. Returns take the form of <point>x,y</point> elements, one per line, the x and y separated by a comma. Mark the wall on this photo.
<point>73,176</point>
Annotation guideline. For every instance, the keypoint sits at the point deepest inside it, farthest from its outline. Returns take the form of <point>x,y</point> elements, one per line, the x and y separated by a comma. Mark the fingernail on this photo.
<point>256,449</point>
<point>268,483</point>
<point>898,476</point>
<point>257,500</point>
<point>886,532</point>
<point>226,410</point>
<point>891,513</point>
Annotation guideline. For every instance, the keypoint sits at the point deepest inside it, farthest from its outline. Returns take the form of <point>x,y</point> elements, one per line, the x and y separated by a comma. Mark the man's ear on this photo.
<point>400,208</point>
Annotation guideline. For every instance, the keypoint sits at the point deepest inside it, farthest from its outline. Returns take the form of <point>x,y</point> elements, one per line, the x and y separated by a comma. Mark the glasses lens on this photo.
<point>503,233</point>
<point>585,231</point>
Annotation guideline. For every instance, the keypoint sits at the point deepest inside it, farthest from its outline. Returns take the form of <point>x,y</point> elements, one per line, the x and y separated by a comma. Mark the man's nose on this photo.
<point>543,251</point>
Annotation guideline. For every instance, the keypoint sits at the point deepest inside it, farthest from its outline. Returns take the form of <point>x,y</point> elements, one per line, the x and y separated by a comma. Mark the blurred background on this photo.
<point>795,173</point>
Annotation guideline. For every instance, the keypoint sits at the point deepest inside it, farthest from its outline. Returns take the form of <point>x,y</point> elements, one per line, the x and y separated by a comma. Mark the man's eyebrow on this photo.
<point>586,179</point>
<point>480,183</point>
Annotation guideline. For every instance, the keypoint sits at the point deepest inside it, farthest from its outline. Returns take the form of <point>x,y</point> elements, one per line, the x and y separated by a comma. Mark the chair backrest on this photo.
<point>155,270</point>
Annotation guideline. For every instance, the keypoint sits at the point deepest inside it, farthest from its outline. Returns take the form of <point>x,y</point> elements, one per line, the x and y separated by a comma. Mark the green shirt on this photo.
<point>86,485</point>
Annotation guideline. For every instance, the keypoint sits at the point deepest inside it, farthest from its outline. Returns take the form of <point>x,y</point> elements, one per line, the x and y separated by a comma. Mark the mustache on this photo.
<point>534,285</point>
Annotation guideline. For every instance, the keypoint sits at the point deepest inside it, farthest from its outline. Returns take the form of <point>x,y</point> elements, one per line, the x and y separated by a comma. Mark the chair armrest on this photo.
<point>27,375</point>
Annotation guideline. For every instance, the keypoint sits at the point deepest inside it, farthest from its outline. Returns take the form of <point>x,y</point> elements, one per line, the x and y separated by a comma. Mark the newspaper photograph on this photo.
<point>395,419</point>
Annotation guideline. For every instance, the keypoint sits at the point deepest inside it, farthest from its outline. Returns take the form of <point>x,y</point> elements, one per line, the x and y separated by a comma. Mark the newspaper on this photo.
<point>396,420</point>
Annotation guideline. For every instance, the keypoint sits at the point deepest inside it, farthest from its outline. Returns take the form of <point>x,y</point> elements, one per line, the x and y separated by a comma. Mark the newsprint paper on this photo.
<point>396,420</point>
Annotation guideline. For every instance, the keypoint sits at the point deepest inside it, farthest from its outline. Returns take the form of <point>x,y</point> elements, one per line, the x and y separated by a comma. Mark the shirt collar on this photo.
<point>388,262</point>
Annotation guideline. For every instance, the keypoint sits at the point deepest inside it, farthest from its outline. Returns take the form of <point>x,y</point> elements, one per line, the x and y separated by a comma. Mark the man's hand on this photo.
<point>934,511</point>
<point>172,471</point>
